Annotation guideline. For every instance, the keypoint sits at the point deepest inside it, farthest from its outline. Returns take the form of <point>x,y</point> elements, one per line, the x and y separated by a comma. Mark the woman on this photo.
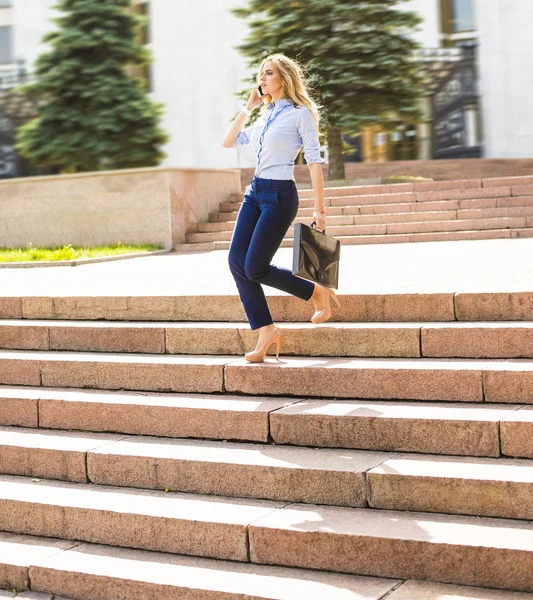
<point>288,121</point>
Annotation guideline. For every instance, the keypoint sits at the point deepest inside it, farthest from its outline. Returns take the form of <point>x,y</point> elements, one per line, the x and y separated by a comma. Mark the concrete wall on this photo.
<point>196,73</point>
<point>506,85</point>
<point>428,34</point>
<point>137,206</point>
<point>31,20</point>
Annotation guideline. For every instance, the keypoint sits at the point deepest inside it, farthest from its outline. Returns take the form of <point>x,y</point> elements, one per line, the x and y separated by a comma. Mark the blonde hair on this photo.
<point>292,77</point>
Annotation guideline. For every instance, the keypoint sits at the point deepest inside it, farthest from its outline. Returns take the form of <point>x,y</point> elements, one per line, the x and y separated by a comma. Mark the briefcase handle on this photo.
<point>313,226</point>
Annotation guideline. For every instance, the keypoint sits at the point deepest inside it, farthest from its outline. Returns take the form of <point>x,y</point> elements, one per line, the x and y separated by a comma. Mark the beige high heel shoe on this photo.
<point>323,314</point>
<point>258,355</point>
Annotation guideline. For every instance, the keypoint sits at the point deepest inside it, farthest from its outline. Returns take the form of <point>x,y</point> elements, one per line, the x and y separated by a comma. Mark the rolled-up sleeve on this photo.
<point>244,137</point>
<point>309,135</point>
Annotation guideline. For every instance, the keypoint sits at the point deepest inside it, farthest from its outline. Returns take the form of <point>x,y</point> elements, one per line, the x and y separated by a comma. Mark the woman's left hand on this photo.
<point>319,217</point>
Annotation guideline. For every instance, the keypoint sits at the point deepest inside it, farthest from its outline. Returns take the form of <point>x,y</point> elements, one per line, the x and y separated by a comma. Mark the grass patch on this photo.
<point>405,178</point>
<point>70,252</point>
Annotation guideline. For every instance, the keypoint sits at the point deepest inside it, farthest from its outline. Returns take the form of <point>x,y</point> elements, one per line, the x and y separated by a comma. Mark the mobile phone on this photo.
<point>260,90</point>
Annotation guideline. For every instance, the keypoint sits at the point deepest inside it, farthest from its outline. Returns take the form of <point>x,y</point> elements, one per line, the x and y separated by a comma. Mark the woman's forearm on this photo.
<point>317,179</point>
<point>234,129</point>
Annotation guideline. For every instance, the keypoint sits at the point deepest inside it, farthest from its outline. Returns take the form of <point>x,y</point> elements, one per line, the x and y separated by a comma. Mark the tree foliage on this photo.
<point>91,114</point>
<point>358,56</point>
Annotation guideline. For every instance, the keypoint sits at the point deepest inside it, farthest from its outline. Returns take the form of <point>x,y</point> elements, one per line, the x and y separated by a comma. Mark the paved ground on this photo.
<point>485,265</point>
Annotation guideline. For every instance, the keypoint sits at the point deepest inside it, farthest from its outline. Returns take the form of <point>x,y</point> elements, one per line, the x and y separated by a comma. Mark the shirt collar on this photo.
<point>280,102</point>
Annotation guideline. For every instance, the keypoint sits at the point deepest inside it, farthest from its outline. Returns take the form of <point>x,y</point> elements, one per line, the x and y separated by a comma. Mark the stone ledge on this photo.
<point>87,174</point>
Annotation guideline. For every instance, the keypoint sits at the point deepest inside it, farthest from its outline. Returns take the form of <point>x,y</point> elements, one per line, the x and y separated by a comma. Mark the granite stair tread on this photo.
<point>180,523</point>
<point>213,416</point>
<point>408,227</point>
<point>479,429</point>
<point>386,238</point>
<point>284,473</point>
<point>334,220</point>
<point>412,545</point>
<point>112,573</point>
<point>431,305</point>
<point>360,541</point>
<point>437,379</point>
<point>459,206</point>
<point>479,339</point>
<point>498,487</point>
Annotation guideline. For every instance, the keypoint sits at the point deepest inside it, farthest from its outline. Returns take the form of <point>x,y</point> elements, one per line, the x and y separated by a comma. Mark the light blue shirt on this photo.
<point>278,136</point>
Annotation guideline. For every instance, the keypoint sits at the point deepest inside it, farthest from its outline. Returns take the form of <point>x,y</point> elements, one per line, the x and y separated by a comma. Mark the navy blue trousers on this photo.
<point>268,209</point>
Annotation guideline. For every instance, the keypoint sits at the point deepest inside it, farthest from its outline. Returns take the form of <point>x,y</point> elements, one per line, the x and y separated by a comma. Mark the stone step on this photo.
<point>455,380</point>
<point>504,187</point>
<point>426,186</point>
<point>339,201</point>
<point>409,340</point>
<point>49,454</point>
<point>489,430</point>
<point>18,553</point>
<point>428,307</point>
<point>160,373</point>
<point>423,590</point>
<point>179,523</point>
<point>383,543</point>
<point>407,217</point>
<point>453,225</point>
<point>222,417</point>
<point>497,487</point>
<point>225,236</point>
<point>439,379</point>
<point>508,202</point>
<point>230,224</point>
<point>403,217</point>
<point>423,427</point>
<point>486,234</point>
<point>281,473</point>
<point>29,596</point>
<point>199,247</point>
<point>400,187</point>
<point>454,485</point>
<point>396,196</point>
<point>409,227</point>
<point>437,205</point>
<point>113,573</point>
<point>465,550</point>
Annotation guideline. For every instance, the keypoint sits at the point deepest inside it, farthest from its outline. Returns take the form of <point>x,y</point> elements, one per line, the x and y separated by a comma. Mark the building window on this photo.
<point>144,10</point>
<point>6,52</point>
<point>457,16</point>
<point>144,73</point>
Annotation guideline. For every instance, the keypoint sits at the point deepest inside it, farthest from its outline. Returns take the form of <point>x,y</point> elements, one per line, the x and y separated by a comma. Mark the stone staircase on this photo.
<point>406,212</point>
<point>389,454</point>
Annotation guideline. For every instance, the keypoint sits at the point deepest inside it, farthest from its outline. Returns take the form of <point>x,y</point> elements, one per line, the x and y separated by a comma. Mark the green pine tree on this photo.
<point>358,56</point>
<point>91,114</point>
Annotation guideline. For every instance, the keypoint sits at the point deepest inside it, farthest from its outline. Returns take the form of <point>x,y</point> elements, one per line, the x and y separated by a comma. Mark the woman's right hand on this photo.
<point>255,98</point>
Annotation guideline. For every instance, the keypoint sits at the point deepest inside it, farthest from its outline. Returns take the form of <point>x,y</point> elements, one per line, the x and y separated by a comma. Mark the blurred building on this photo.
<point>476,54</point>
<point>195,69</point>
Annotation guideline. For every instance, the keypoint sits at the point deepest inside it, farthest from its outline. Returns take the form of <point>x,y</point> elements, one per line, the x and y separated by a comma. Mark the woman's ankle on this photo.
<point>265,328</point>
<point>317,292</point>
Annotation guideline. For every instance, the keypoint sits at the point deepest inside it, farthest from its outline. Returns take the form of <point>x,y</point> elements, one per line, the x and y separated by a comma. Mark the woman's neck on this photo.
<point>280,98</point>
